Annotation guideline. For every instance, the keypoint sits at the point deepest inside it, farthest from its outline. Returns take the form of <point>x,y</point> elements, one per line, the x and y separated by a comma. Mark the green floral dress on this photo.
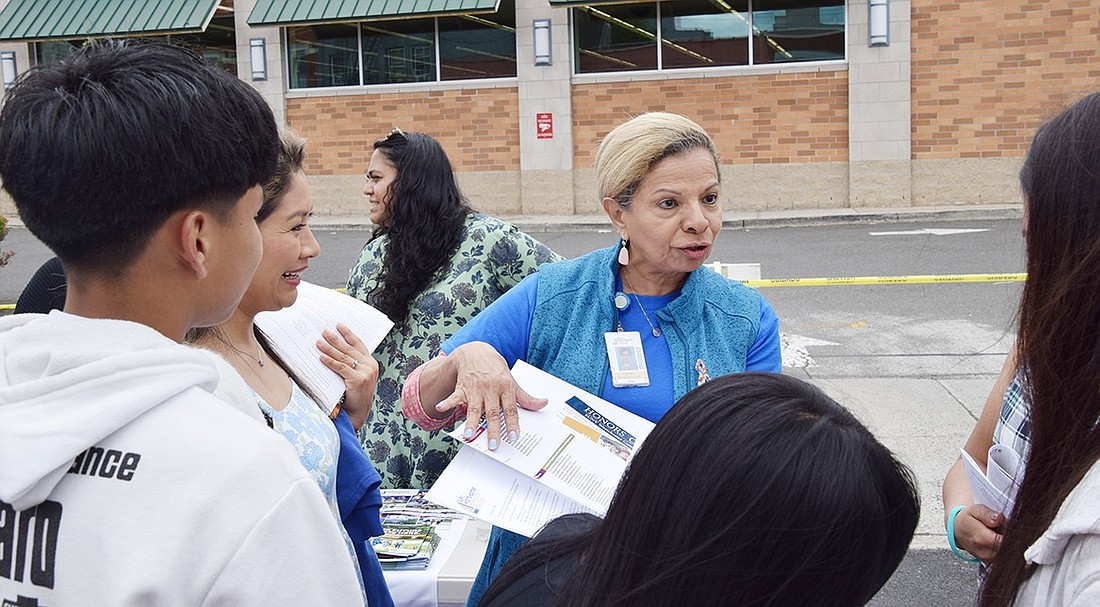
<point>492,258</point>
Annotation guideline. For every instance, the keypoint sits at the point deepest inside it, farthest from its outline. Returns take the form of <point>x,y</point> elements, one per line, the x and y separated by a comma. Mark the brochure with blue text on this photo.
<point>568,457</point>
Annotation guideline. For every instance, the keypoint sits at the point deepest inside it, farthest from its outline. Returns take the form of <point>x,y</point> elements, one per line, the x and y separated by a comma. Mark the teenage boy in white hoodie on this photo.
<point>123,479</point>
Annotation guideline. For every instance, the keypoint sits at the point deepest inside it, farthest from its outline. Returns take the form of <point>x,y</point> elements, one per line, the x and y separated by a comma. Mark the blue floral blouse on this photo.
<point>314,437</point>
<point>492,258</point>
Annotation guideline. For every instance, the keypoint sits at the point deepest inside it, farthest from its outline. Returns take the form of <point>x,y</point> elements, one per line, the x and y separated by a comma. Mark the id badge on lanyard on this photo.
<point>627,358</point>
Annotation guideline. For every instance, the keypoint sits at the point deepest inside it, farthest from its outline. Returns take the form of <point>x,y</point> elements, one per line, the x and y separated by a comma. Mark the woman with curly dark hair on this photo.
<point>431,264</point>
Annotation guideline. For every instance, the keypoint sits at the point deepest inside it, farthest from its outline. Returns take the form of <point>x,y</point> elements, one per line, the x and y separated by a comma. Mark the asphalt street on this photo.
<point>914,362</point>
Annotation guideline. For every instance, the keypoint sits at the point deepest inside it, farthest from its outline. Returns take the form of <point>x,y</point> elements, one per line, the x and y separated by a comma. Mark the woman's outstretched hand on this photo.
<point>485,386</point>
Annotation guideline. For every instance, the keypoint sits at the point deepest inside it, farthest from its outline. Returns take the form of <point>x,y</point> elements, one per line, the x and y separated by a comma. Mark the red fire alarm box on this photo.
<point>544,125</point>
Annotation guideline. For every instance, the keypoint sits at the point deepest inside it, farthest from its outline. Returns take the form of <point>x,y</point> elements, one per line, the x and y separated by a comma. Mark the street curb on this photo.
<point>739,220</point>
<point>734,220</point>
<point>785,219</point>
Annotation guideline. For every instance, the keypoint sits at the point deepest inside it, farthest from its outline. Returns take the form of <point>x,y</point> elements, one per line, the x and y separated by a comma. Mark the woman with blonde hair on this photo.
<point>660,186</point>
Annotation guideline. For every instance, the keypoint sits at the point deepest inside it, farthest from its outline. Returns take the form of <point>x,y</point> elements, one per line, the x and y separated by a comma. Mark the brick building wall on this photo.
<point>782,137</point>
<point>985,75</point>
<point>478,127</point>
<point>770,118</point>
<point>942,116</point>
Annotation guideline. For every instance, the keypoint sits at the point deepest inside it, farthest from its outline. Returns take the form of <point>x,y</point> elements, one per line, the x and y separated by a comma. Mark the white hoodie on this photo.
<point>1066,557</point>
<point>124,481</point>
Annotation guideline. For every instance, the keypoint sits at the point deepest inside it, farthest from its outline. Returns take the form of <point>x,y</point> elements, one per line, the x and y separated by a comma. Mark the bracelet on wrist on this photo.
<point>964,556</point>
<point>339,407</point>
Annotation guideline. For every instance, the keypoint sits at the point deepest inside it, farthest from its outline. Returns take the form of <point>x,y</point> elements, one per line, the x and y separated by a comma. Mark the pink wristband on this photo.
<point>413,409</point>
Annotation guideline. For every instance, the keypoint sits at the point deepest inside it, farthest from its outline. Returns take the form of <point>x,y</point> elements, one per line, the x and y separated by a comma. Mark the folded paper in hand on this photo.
<point>294,331</point>
<point>568,458</point>
<point>996,487</point>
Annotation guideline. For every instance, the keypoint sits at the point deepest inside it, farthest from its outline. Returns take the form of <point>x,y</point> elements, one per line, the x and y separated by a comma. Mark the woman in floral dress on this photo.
<point>431,265</point>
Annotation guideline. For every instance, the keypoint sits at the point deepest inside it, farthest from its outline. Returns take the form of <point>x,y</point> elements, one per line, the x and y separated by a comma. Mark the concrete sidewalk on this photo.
<point>742,219</point>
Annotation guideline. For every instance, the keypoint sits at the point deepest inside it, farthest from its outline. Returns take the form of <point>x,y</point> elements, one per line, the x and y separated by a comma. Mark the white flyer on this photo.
<point>294,332</point>
<point>995,487</point>
<point>569,457</point>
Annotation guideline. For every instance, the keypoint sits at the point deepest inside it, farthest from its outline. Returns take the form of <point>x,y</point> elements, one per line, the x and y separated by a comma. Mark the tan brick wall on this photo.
<point>986,73</point>
<point>479,128</point>
<point>754,119</point>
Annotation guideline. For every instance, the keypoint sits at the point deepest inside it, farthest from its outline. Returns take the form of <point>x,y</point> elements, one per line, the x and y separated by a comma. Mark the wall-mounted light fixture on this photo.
<point>542,42</point>
<point>258,52</point>
<point>7,66</point>
<point>878,22</point>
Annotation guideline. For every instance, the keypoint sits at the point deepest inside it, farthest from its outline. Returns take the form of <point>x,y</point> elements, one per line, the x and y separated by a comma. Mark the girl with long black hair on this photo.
<point>754,489</point>
<point>1050,550</point>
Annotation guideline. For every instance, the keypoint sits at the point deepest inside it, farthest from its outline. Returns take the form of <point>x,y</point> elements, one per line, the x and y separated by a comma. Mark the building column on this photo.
<point>274,88</point>
<point>22,52</point>
<point>546,162</point>
<point>879,112</point>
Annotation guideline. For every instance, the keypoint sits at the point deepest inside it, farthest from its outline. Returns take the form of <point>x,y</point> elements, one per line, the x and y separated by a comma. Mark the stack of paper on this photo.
<point>412,529</point>
<point>995,487</point>
<point>568,458</point>
<point>400,505</point>
<point>294,331</point>
<point>408,545</point>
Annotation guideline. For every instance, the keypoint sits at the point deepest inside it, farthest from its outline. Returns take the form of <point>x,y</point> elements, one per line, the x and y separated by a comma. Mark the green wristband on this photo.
<point>951,536</point>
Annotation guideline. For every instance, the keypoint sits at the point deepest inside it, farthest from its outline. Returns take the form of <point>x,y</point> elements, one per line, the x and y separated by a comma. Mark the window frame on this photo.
<point>437,80</point>
<point>662,72</point>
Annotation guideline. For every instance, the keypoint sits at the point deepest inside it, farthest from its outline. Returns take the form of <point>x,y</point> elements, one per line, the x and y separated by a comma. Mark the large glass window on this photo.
<point>797,30</point>
<point>695,34</point>
<point>218,44</point>
<point>407,50</point>
<point>399,51</point>
<point>54,50</point>
<point>478,46</point>
<point>615,38</point>
<point>323,55</point>
<point>706,33</point>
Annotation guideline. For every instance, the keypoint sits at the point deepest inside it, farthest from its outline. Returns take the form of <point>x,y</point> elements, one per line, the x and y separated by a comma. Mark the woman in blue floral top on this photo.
<point>319,431</point>
<point>431,265</point>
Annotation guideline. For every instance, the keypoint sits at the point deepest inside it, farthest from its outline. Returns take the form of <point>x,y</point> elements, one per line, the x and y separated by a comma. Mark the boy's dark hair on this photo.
<point>98,150</point>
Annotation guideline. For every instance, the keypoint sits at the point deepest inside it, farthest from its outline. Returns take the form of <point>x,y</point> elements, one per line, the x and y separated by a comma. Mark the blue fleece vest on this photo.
<point>714,320</point>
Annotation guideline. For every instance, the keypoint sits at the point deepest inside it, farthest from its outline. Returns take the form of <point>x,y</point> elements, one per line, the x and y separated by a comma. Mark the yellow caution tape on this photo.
<point>850,280</point>
<point>884,280</point>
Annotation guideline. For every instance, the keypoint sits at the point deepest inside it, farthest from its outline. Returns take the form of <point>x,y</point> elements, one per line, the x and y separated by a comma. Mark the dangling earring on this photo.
<point>624,255</point>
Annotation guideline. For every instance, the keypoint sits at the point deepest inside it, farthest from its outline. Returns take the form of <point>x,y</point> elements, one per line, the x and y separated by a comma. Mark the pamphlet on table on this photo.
<point>412,528</point>
<point>294,331</point>
<point>568,457</point>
